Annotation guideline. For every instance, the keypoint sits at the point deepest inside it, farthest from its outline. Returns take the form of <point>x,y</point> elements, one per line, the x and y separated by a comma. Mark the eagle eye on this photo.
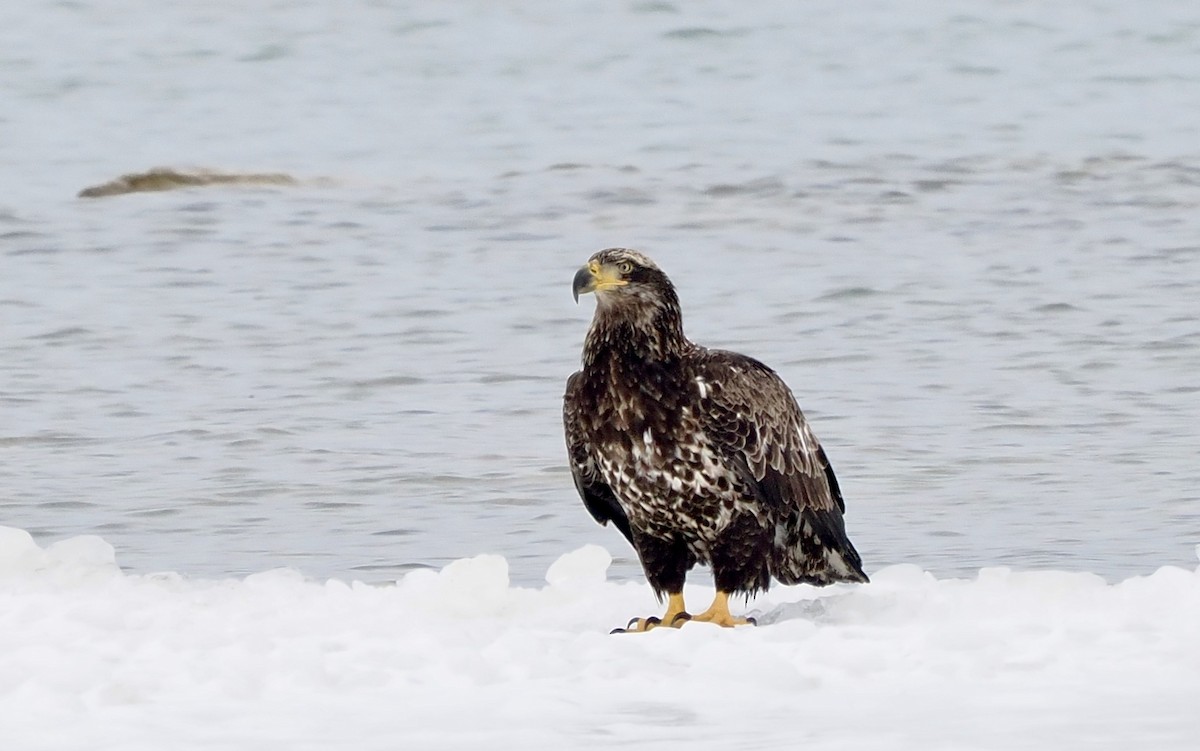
<point>625,267</point>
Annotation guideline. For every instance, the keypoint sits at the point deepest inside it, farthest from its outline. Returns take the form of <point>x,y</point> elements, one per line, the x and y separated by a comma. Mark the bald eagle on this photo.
<point>696,455</point>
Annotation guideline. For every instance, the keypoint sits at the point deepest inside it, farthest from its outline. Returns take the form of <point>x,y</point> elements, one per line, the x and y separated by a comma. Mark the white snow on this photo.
<point>91,657</point>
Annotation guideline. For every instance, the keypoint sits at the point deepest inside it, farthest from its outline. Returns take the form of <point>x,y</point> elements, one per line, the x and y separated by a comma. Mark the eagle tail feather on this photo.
<point>814,549</point>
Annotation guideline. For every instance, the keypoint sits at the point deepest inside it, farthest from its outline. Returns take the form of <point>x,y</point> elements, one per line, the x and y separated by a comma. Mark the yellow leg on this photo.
<point>674,608</point>
<point>718,613</point>
<point>670,618</point>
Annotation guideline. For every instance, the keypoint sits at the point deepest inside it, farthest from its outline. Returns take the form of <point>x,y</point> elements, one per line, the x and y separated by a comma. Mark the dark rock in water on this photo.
<point>163,178</point>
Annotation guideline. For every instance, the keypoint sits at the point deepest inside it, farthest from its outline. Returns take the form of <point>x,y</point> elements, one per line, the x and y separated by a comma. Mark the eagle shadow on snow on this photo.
<point>822,610</point>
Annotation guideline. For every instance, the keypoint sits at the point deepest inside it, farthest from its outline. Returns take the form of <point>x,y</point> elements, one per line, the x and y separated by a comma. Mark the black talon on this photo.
<point>752,621</point>
<point>637,625</point>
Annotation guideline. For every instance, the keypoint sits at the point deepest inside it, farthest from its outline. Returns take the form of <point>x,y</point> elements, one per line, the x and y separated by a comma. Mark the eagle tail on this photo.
<point>812,548</point>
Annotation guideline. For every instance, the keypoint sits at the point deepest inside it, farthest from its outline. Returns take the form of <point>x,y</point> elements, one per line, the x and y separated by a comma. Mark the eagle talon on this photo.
<point>680,619</point>
<point>638,625</point>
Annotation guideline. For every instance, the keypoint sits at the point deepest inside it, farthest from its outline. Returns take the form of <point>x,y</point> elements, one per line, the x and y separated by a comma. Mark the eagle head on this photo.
<point>637,309</point>
<point>624,278</point>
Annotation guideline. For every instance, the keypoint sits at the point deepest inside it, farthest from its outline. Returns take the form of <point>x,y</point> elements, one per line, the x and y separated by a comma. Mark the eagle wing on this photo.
<point>753,420</point>
<point>597,496</point>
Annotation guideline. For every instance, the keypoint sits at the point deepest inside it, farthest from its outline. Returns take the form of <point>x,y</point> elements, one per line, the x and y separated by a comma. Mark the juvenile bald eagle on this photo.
<point>696,455</point>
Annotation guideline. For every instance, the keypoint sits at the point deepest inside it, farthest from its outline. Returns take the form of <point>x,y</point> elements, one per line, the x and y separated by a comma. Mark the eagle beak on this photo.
<point>596,276</point>
<point>585,281</point>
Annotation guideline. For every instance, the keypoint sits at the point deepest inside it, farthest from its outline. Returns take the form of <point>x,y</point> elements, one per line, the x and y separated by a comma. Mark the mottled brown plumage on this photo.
<point>695,455</point>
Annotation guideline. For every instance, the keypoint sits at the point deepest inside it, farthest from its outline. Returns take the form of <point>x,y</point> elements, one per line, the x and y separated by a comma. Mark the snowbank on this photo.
<point>458,658</point>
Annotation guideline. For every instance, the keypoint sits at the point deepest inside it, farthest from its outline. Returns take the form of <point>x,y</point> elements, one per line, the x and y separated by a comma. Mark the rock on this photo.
<point>164,178</point>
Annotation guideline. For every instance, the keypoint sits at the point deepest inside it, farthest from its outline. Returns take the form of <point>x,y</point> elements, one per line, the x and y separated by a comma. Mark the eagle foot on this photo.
<point>641,625</point>
<point>729,621</point>
<point>675,617</point>
<point>719,614</point>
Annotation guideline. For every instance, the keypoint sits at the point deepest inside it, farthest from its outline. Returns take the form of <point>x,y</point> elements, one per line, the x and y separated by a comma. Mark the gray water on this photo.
<point>968,240</point>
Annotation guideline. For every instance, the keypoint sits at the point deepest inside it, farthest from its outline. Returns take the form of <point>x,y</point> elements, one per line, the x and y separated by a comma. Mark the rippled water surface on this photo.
<point>969,241</point>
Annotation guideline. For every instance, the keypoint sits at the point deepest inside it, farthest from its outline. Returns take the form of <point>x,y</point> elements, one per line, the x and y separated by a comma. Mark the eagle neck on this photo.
<point>645,334</point>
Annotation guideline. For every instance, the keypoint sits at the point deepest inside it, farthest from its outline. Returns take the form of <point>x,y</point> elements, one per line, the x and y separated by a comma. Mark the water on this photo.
<point>967,240</point>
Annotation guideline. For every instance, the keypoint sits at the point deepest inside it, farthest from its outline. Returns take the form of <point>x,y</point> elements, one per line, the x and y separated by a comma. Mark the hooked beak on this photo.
<point>585,281</point>
<point>596,276</point>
